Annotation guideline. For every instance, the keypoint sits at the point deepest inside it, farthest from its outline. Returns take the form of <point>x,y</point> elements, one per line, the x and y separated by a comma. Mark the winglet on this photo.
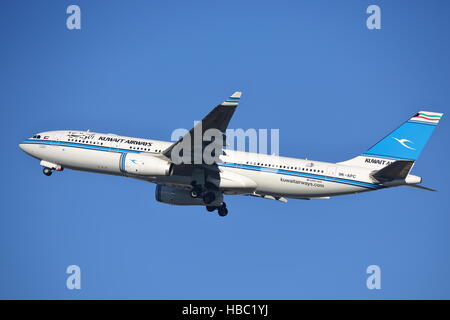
<point>233,100</point>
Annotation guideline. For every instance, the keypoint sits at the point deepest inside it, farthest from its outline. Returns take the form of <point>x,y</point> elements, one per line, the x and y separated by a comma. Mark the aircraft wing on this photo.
<point>192,144</point>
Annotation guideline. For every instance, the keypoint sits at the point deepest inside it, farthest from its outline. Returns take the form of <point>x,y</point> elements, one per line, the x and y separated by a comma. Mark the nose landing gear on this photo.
<point>47,171</point>
<point>50,167</point>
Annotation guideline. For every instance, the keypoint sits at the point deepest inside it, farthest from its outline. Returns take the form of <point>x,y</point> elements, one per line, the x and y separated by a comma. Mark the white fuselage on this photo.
<point>240,172</point>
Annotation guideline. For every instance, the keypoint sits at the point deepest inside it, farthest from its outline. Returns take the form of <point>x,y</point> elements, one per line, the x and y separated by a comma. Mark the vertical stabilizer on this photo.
<point>404,143</point>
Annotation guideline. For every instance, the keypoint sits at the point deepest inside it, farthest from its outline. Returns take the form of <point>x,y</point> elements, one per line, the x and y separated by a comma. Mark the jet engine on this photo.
<point>144,165</point>
<point>182,197</point>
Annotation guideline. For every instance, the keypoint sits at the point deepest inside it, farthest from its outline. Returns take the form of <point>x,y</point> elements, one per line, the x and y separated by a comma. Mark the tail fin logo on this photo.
<point>403,143</point>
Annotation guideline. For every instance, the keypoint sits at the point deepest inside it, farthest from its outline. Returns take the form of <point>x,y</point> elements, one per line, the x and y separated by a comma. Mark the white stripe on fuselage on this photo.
<point>273,175</point>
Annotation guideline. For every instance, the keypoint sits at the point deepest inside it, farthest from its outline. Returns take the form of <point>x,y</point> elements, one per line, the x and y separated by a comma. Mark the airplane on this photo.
<point>386,164</point>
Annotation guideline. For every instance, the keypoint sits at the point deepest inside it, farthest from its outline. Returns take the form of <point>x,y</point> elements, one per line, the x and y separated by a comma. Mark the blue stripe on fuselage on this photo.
<point>224,164</point>
<point>80,145</point>
<point>302,174</point>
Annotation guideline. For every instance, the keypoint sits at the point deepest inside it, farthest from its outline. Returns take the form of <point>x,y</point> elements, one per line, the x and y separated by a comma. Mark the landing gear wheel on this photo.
<point>47,171</point>
<point>209,197</point>
<point>210,208</point>
<point>196,192</point>
<point>222,210</point>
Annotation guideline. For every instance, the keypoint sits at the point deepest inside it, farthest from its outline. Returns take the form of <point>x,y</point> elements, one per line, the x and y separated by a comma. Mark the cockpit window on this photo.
<point>36,136</point>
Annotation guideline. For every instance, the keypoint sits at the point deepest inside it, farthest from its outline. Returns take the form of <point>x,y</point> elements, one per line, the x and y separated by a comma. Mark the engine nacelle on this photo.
<point>144,165</point>
<point>182,197</point>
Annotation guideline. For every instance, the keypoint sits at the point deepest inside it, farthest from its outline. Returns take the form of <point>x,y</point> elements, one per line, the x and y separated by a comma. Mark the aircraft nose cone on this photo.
<point>25,148</point>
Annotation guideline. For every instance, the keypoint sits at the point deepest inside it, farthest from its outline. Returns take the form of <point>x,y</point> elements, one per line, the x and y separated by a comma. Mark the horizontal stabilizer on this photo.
<point>420,187</point>
<point>396,170</point>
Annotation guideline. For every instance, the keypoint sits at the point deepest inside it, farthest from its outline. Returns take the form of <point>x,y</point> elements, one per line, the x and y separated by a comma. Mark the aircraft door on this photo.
<point>331,170</point>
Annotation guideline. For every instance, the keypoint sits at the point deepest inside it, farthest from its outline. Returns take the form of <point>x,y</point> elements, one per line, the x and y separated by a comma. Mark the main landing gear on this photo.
<point>197,191</point>
<point>208,198</point>
<point>221,210</point>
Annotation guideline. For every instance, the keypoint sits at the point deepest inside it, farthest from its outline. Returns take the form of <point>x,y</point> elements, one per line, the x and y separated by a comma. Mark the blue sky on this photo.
<point>143,68</point>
